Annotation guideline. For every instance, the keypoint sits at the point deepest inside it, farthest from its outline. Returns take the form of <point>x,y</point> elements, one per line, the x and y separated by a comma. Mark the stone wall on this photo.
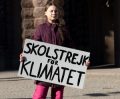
<point>33,14</point>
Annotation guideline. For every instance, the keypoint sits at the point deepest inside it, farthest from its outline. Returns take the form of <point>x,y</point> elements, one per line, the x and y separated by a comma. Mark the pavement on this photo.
<point>99,84</point>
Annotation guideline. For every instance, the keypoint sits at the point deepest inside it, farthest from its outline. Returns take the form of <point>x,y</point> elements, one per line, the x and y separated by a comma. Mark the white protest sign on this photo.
<point>53,64</point>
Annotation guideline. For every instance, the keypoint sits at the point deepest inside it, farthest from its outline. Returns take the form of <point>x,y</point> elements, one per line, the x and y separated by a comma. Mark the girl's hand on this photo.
<point>87,63</point>
<point>22,58</point>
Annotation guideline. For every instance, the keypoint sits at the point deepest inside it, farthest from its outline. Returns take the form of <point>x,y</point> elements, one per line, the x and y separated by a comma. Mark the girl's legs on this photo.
<point>40,92</point>
<point>57,92</point>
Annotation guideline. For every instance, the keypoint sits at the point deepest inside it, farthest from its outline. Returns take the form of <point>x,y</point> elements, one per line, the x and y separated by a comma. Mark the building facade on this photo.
<point>91,23</point>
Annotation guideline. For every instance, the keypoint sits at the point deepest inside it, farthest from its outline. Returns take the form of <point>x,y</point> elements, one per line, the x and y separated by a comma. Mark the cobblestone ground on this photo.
<point>99,84</point>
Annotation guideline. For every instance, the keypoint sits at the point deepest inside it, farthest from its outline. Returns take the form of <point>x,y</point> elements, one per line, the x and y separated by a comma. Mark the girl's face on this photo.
<point>51,13</point>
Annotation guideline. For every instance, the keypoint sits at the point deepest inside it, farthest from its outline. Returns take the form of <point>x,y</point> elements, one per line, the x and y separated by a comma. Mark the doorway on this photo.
<point>87,21</point>
<point>10,39</point>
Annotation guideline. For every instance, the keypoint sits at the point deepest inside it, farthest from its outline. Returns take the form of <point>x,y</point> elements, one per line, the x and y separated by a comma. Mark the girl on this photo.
<point>55,33</point>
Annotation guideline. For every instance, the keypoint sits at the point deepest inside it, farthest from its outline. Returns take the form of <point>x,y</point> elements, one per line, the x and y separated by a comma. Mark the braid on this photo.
<point>61,29</point>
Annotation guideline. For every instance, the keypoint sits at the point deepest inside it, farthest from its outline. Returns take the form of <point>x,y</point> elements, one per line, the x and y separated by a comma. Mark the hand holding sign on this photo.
<point>54,64</point>
<point>22,58</point>
<point>87,63</point>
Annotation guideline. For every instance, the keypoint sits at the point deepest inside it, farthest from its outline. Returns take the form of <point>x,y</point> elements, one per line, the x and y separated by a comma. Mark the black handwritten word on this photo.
<point>56,54</point>
<point>48,73</point>
<point>55,62</point>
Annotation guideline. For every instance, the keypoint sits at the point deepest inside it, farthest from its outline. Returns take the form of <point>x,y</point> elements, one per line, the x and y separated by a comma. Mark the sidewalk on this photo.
<point>99,84</point>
